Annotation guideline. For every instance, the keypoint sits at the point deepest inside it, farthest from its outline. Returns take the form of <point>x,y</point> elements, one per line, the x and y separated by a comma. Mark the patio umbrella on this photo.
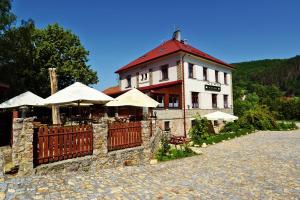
<point>220,116</point>
<point>134,97</point>
<point>24,99</point>
<point>78,93</point>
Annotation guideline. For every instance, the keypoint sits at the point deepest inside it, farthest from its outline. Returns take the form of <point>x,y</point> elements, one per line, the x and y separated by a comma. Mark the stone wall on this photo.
<point>131,156</point>
<point>102,158</point>
<point>22,148</point>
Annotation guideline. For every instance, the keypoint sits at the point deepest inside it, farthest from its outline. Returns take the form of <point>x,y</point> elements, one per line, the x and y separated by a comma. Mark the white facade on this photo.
<point>195,84</point>
<point>171,61</point>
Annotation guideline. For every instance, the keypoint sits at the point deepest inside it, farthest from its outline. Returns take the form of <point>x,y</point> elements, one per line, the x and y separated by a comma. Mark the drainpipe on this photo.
<point>183,94</point>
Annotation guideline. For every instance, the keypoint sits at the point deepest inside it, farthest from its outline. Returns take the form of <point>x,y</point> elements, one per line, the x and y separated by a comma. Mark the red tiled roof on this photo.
<point>160,85</point>
<point>116,89</point>
<point>169,47</point>
<point>112,90</point>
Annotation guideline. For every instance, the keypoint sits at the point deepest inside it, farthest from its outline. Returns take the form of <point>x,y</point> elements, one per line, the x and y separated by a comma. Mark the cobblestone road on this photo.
<point>263,165</point>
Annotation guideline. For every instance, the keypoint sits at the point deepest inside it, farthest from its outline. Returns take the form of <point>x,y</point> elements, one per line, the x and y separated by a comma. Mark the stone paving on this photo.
<point>262,165</point>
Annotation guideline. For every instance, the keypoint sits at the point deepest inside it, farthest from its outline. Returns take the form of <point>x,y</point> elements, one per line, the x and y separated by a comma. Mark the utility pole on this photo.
<point>53,85</point>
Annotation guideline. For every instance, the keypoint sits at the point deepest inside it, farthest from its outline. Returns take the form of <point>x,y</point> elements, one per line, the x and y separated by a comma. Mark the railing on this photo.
<point>124,135</point>
<point>56,143</point>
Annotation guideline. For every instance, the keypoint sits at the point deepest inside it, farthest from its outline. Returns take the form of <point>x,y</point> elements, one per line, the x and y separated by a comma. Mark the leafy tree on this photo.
<point>241,105</point>
<point>29,52</point>
<point>59,48</point>
<point>6,17</point>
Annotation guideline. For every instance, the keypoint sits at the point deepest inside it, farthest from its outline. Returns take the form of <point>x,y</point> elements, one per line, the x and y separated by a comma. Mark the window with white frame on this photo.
<point>173,101</point>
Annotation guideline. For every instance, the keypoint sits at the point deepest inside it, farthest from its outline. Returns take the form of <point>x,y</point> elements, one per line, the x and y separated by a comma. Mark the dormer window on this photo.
<point>128,80</point>
<point>144,77</point>
<point>164,72</point>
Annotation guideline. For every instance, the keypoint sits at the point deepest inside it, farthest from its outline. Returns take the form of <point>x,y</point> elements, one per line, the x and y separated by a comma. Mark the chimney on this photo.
<point>177,35</point>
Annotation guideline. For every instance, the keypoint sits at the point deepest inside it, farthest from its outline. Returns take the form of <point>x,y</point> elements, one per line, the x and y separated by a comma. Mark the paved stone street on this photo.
<point>263,165</point>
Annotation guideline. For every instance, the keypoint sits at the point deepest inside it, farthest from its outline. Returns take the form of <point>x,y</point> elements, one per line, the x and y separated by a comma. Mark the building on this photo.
<point>184,80</point>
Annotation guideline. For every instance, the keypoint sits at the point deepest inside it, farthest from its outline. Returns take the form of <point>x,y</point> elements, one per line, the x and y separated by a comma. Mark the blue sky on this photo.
<point>116,32</point>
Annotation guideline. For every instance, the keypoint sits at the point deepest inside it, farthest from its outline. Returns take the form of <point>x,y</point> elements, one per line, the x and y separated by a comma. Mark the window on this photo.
<point>144,76</point>
<point>217,76</point>
<point>191,70</point>
<point>173,101</point>
<point>128,79</point>
<point>164,72</point>
<point>193,122</point>
<point>225,78</point>
<point>195,100</point>
<point>205,74</point>
<point>225,100</point>
<point>160,99</point>
<point>214,101</point>
<point>167,125</point>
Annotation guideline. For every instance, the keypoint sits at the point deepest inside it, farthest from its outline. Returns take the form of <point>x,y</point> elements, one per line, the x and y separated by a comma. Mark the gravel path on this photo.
<point>262,165</point>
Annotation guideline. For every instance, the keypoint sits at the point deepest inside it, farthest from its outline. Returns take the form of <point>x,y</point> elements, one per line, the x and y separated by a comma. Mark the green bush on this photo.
<point>230,127</point>
<point>182,152</point>
<point>258,117</point>
<point>199,131</point>
<point>286,126</point>
<point>225,136</point>
<point>164,149</point>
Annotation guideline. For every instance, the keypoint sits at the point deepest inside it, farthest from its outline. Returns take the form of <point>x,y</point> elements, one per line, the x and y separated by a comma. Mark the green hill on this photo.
<point>284,73</point>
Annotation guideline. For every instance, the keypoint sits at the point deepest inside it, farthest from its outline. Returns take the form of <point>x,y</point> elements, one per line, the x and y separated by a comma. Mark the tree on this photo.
<point>6,17</point>
<point>61,49</point>
<point>29,52</point>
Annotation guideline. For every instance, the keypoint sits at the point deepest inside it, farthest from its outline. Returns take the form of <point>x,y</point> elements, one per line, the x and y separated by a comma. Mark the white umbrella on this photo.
<point>134,97</point>
<point>78,93</point>
<point>220,116</point>
<point>24,99</point>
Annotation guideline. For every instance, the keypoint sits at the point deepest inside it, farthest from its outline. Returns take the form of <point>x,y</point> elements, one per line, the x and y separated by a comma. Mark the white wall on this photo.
<point>156,72</point>
<point>197,84</point>
<point>191,85</point>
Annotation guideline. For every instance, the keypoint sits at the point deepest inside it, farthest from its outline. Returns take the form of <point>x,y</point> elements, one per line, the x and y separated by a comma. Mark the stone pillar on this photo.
<point>1,167</point>
<point>22,148</point>
<point>100,139</point>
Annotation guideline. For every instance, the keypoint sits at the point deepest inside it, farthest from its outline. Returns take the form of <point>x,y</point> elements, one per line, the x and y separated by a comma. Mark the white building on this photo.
<point>202,85</point>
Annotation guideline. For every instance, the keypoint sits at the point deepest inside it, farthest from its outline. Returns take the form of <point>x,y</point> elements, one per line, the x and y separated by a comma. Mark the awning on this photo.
<point>78,93</point>
<point>24,99</point>
<point>134,97</point>
<point>220,116</point>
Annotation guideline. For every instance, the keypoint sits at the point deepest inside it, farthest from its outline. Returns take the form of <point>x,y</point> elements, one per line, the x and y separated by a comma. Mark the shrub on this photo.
<point>183,151</point>
<point>286,126</point>
<point>199,130</point>
<point>230,127</point>
<point>164,149</point>
<point>259,118</point>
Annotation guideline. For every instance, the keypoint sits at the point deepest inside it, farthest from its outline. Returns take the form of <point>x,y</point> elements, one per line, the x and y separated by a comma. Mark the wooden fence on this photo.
<point>124,135</point>
<point>62,142</point>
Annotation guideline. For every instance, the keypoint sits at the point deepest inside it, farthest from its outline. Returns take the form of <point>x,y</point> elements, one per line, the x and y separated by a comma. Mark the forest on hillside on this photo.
<point>274,83</point>
<point>283,73</point>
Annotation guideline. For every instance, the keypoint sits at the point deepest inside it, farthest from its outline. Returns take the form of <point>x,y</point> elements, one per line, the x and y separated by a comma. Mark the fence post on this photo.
<point>22,149</point>
<point>100,131</point>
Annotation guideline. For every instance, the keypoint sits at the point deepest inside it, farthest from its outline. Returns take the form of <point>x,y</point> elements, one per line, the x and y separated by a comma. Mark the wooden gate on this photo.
<point>62,142</point>
<point>124,135</point>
